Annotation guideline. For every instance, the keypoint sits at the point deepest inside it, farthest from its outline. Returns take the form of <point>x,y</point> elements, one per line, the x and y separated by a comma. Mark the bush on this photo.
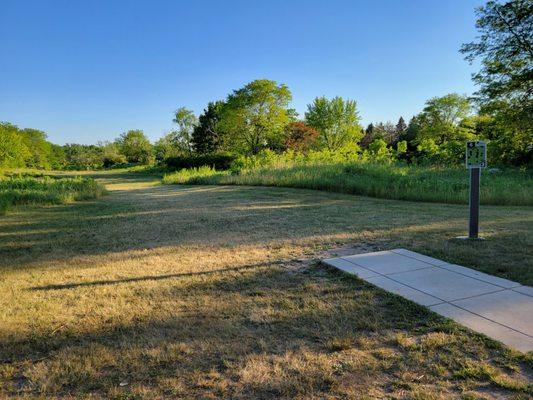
<point>21,190</point>
<point>193,176</point>
<point>344,173</point>
<point>219,162</point>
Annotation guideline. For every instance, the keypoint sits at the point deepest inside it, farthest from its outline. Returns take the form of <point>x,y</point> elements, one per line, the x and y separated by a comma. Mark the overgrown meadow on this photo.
<point>27,189</point>
<point>381,180</point>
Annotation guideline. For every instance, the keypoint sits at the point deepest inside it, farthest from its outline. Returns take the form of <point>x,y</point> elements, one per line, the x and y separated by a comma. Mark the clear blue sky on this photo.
<point>85,71</point>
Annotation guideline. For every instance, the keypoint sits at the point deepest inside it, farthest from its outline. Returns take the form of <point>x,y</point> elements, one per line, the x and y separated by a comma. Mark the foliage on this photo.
<point>509,132</point>
<point>13,150</point>
<point>337,122</point>
<point>401,126</point>
<point>111,156</point>
<point>26,148</point>
<point>299,136</point>
<point>505,48</point>
<point>135,146</point>
<point>384,180</point>
<point>206,136</point>
<point>192,176</point>
<point>40,150</point>
<point>80,156</point>
<point>20,190</point>
<point>165,147</point>
<point>182,138</point>
<point>440,131</point>
<point>254,117</point>
<point>378,151</point>
<point>220,161</point>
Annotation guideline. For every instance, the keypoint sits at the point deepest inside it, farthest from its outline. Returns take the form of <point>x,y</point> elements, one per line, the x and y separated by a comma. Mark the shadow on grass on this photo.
<point>174,216</point>
<point>267,334</point>
<point>146,278</point>
<point>267,315</point>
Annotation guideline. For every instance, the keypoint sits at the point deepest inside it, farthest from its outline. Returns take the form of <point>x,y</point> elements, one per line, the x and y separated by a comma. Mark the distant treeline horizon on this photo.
<point>258,118</point>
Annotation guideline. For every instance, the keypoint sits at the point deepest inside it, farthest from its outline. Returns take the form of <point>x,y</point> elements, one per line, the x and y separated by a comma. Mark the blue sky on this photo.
<point>85,71</point>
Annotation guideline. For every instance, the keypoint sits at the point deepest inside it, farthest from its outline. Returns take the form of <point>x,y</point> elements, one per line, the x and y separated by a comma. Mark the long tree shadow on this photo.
<point>146,278</point>
<point>167,216</point>
<point>259,315</point>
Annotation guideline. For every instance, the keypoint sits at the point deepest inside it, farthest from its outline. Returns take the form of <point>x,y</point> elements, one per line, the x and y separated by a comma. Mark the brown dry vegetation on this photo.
<point>215,292</point>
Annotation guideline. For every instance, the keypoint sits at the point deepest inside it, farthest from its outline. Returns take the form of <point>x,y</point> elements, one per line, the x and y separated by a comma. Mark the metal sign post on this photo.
<point>473,224</point>
<point>476,158</point>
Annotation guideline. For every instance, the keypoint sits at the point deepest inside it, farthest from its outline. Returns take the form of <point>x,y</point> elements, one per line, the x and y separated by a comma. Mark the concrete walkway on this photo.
<point>496,307</point>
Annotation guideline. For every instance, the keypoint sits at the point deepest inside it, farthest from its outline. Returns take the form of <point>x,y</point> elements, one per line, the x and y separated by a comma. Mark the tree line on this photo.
<point>258,117</point>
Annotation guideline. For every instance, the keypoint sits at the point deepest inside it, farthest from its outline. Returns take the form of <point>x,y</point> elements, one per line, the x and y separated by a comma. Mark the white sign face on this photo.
<point>476,154</point>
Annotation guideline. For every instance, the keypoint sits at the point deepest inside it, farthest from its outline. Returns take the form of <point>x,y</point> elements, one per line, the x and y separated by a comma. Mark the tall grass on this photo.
<point>416,183</point>
<point>20,190</point>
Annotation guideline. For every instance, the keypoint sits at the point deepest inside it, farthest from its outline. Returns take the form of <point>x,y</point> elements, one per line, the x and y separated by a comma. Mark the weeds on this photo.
<point>25,190</point>
<point>400,182</point>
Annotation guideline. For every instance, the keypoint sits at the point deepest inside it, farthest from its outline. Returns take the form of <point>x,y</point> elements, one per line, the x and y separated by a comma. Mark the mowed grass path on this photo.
<point>214,292</point>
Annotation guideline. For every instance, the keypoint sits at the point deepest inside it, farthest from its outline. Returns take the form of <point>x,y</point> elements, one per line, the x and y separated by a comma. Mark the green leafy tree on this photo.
<point>379,151</point>
<point>135,146</point>
<point>254,117</point>
<point>79,156</point>
<point>166,147</point>
<point>40,149</point>
<point>337,122</point>
<point>57,157</point>
<point>505,48</point>
<point>186,121</point>
<point>207,136</point>
<point>13,150</point>
<point>509,131</point>
<point>110,154</point>
<point>401,148</point>
<point>441,129</point>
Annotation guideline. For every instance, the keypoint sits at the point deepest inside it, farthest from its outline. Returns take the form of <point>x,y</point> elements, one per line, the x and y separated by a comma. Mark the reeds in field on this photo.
<point>21,190</point>
<point>389,181</point>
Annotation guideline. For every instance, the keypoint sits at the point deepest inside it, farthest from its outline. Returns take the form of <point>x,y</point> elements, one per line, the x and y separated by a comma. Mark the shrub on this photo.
<point>343,173</point>
<point>193,176</point>
<point>299,136</point>
<point>219,161</point>
<point>21,190</point>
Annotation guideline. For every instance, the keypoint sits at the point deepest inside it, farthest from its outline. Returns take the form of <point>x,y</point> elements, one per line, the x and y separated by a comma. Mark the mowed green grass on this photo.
<point>400,182</point>
<point>216,292</point>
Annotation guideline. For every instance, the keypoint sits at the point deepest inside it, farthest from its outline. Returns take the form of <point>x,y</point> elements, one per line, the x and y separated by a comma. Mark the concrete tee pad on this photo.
<point>496,307</point>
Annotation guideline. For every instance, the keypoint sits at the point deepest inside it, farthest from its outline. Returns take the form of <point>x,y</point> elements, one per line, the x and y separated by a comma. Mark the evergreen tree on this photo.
<point>206,136</point>
<point>368,136</point>
<point>401,126</point>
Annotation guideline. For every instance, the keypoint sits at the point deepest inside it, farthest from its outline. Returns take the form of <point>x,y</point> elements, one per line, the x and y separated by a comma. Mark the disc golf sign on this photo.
<point>476,154</point>
<point>476,159</point>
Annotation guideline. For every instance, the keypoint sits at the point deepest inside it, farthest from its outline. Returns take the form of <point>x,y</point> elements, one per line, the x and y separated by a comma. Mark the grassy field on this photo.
<point>450,185</point>
<point>35,188</point>
<point>163,291</point>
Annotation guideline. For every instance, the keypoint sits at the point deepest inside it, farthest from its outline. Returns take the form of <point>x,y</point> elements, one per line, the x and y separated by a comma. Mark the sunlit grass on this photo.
<point>509,187</point>
<point>18,190</point>
<point>216,292</point>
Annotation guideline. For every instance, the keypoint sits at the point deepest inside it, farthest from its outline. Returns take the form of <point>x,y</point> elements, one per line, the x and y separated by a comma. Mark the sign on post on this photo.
<point>476,154</point>
<point>476,158</point>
